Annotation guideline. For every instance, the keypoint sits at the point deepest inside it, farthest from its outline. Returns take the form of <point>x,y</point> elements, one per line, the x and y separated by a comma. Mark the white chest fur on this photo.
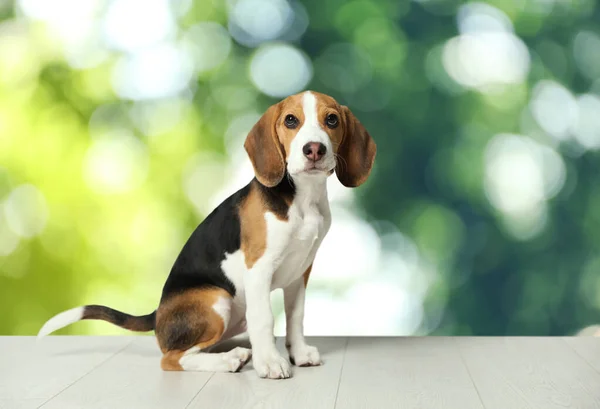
<point>291,245</point>
<point>291,248</point>
<point>308,223</point>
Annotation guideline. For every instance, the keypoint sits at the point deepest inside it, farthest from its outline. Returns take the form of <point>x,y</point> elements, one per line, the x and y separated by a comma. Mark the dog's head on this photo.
<point>310,135</point>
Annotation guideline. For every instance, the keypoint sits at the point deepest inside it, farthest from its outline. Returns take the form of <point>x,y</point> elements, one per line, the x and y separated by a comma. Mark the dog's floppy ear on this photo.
<point>357,152</point>
<point>264,148</point>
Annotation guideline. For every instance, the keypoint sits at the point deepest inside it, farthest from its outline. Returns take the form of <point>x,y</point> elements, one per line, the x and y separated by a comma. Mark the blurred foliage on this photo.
<point>74,231</point>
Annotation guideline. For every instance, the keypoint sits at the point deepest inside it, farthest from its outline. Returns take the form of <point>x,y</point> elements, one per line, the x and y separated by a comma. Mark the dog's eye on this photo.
<point>291,121</point>
<point>331,121</point>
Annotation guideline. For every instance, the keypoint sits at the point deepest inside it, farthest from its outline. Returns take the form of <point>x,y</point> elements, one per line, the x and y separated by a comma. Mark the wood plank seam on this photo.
<point>464,362</point>
<point>337,392</point>
<point>87,373</point>
<point>584,359</point>
<point>199,390</point>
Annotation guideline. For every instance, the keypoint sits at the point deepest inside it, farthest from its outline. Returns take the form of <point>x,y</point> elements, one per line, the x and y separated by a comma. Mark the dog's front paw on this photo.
<point>273,366</point>
<point>304,355</point>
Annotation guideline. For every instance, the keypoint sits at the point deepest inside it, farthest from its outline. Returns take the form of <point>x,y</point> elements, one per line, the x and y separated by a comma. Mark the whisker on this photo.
<point>341,160</point>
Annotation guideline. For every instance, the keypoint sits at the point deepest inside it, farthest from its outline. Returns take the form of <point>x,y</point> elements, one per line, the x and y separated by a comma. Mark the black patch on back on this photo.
<point>199,263</point>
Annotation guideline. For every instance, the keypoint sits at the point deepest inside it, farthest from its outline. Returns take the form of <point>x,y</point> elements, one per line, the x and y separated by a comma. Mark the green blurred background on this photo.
<point>122,123</point>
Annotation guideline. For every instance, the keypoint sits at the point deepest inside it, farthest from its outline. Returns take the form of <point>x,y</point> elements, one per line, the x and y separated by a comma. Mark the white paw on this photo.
<point>237,358</point>
<point>274,366</point>
<point>305,355</point>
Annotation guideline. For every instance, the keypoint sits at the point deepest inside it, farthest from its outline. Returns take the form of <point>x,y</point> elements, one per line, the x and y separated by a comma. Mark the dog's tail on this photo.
<point>99,312</point>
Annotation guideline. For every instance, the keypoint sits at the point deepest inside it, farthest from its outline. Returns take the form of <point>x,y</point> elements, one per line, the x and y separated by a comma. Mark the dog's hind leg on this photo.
<point>191,321</point>
<point>195,360</point>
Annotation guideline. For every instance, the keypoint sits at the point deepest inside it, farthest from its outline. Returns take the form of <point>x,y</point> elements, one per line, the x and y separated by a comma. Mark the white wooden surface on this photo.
<point>524,373</point>
<point>419,373</point>
<point>405,373</point>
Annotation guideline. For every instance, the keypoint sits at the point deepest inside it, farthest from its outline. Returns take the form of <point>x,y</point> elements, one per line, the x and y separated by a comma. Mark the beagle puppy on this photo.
<point>263,237</point>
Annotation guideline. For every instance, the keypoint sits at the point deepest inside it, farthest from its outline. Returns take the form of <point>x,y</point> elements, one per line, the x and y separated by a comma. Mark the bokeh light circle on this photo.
<point>136,24</point>
<point>26,211</point>
<point>252,22</point>
<point>209,45</point>
<point>154,72</point>
<point>279,70</point>
<point>116,163</point>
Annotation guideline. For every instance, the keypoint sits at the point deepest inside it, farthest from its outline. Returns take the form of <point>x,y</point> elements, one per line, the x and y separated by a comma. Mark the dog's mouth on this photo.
<point>312,169</point>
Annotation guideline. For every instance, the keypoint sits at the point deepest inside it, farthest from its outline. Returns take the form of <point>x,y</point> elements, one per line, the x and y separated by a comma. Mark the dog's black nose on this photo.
<point>314,150</point>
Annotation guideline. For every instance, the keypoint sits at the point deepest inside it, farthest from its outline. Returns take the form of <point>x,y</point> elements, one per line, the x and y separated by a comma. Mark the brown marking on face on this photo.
<point>271,126</point>
<point>354,147</point>
<point>292,105</point>
<point>326,105</point>
<point>268,143</point>
<point>185,320</point>
<point>306,275</point>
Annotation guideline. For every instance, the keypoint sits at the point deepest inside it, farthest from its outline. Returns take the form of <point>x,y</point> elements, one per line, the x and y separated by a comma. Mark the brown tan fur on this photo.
<point>326,106</point>
<point>188,320</point>
<point>293,106</point>
<point>265,150</point>
<point>252,220</point>
<point>253,227</point>
<point>306,275</point>
<point>353,146</point>
<point>268,143</point>
<point>170,361</point>
<point>357,152</point>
